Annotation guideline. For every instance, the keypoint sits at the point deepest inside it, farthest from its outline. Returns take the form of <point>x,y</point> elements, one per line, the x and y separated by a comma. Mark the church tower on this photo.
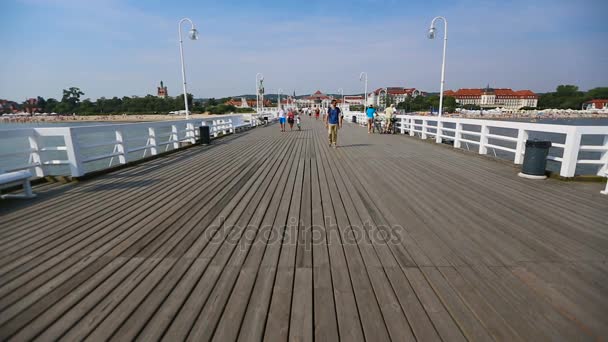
<point>162,90</point>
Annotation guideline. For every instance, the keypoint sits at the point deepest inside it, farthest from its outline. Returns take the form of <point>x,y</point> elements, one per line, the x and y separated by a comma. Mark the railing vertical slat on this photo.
<point>458,135</point>
<point>483,139</point>
<point>522,136</point>
<point>73,152</point>
<point>439,131</point>
<point>152,141</point>
<point>424,130</point>
<point>121,146</point>
<point>35,154</point>
<point>603,171</point>
<point>175,136</point>
<point>571,149</point>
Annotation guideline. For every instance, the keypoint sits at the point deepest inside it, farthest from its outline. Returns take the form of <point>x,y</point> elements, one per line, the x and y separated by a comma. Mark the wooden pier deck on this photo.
<point>275,236</point>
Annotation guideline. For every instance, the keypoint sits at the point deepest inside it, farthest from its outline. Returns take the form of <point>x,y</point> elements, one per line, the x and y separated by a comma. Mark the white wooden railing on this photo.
<point>106,145</point>
<point>508,136</point>
<point>511,137</point>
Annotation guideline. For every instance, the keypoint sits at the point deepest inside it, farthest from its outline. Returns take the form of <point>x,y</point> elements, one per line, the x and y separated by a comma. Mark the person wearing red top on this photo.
<point>290,119</point>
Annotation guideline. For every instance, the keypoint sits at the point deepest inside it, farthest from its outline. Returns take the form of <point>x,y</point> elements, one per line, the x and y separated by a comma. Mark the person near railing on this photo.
<point>388,113</point>
<point>370,112</point>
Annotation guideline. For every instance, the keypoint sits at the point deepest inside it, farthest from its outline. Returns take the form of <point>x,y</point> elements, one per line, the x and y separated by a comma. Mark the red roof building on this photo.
<point>500,97</point>
<point>246,103</point>
<point>596,104</point>
<point>396,95</point>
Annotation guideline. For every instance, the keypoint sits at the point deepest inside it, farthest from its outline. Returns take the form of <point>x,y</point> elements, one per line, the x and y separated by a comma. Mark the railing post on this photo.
<point>571,149</point>
<point>520,149</point>
<point>174,136</point>
<point>458,135</point>
<point>403,119</point>
<point>412,127</point>
<point>35,154</point>
<point>190,132</point>
<point>152,140</point>
<point>424,123</point>
<point>483,139</point>
<point>439,132</point>
<point>603,172</point>
<point>73,152</point>
<point>121,147</point>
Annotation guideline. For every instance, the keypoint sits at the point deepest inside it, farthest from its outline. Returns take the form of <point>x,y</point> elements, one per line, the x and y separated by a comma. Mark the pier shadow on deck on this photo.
<point>276,236</point>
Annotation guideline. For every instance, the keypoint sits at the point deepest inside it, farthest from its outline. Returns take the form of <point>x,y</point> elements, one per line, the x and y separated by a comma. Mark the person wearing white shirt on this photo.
<point>282,119</point>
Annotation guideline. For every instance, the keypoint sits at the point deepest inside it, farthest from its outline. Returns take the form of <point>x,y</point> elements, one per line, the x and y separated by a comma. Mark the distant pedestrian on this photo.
<point>282,119</point>
<point>333,123</point>
<point>290,119</point>
<point>370,113</point>
<point>389,113</point>
<point>317,112</point>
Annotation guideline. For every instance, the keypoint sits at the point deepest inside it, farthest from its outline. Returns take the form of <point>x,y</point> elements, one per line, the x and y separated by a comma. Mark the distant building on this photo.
<point>353,100</point>
<point>595,104</point>
<point>395,94</point>
<point>246,103</point>
<point>315,100</point>
<point>489,97</point>
<point>31,106</point>
<point>9,107</point>
<point>162,90</point>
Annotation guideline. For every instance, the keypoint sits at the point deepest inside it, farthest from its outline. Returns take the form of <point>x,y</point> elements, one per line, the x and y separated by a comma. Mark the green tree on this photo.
<point>50,105</point>
<point>72,95</point>
<point>597,93</point>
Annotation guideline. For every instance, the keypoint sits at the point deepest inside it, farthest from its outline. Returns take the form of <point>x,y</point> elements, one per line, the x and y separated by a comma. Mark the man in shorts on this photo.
<point>282,119</point>
<point>389,113</point>
<point>370,112</point>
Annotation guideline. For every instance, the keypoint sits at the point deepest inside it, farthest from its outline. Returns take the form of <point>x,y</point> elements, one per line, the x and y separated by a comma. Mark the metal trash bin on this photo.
<point>205,136</point>
<point>354,119</point>
<point>535,159</point>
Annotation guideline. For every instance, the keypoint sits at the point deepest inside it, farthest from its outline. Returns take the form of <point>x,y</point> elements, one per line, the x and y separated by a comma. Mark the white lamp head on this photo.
<point>431,33</point>
<point>193,34</point>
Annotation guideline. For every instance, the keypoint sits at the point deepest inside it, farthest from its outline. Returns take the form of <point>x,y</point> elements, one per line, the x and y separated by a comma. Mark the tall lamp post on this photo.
<point>259,78</point>
<point>361,79</point>
<point>342,93</point>
<point>192,34</point>
<point>280,91</point>
<point>258,94</point>
<point>380,98</point>
<point>431,35</point>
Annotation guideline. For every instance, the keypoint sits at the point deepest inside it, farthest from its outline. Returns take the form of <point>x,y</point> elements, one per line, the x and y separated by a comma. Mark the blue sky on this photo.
<point>123,48</point>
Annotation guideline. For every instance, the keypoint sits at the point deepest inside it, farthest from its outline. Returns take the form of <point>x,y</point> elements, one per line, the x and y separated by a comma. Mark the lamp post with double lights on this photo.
<point>361,79</point>
<point>431,35</point>
<point>193,35</point>
<point>259,91</point>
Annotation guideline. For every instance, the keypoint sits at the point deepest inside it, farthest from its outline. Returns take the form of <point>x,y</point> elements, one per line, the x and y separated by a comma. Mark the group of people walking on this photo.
<point>333,118</point>
<point>291,116</point>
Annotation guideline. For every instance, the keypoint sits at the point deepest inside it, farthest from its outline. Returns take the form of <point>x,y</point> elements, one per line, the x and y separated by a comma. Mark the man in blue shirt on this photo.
<point>370,112</point>
<point>333,122</point>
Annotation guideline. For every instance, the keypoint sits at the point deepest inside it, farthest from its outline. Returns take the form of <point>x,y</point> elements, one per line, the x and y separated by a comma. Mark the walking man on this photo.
<point>332,122</point>
<point>282,119</point>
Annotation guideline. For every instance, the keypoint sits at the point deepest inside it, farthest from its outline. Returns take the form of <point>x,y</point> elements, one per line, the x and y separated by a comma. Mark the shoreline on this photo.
<point>103,118</point>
